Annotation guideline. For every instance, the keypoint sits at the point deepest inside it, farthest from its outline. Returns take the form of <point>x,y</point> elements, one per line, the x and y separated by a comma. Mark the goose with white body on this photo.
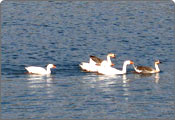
<point>95,62</point>
<point>108,70</point>
<point>40,70</point>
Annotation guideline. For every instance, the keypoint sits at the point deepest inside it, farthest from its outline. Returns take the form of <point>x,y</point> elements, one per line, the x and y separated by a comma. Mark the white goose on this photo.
<point>40,70</point>
<point>95,62</point>
<point>108,70</point>
<point>99,61</point>
<point>89,67</point>
<point>145,69</point>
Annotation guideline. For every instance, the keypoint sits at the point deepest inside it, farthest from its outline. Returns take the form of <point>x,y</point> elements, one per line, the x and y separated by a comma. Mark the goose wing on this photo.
<point>96,59</point>
<point>144,68</point>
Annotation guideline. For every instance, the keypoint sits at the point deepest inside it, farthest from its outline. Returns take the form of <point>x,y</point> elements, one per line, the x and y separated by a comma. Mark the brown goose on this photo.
<point>145,69</point>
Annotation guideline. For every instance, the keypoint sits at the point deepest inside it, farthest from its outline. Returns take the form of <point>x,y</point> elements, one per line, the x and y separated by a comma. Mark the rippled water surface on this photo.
<point>65,34</point>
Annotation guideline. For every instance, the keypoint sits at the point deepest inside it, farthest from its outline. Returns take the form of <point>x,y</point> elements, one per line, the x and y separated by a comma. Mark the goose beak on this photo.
<point>158,62</point>
<point>112,55</point>
<point>54,66</point>
<point>112,64</point>
<point>131,62</point>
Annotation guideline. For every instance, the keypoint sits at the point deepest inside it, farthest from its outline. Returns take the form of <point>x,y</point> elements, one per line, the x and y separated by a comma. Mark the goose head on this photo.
<point>112,55</point>
<point>128,62</point>
<point>51,66</point>
<point>157,62</point>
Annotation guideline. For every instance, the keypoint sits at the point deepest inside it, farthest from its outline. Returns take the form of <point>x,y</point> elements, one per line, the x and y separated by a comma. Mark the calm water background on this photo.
<point>65,34</point>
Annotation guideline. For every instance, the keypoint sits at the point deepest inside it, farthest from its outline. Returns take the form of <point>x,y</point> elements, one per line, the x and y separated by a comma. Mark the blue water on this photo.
<point>65,34</point>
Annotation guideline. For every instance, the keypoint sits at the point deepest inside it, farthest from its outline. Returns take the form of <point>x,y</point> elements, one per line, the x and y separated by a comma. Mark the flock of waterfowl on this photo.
<point>99,66</point>
<point>105,67</point>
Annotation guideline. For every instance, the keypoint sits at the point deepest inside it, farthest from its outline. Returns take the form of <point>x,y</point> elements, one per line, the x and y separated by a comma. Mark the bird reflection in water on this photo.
<point>125,87</point>
<point>125,79</point>
<point>37,81</point>
<point>157,77</point>
<point>104,82</point>
<point>41,83</point>
<point>101,81</point>
<point>144,75</point>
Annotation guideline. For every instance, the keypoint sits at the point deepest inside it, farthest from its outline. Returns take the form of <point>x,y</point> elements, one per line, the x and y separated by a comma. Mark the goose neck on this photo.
<point>124,67</point>
<point>109,59</point>
<point>157,67</point>
<point>48,69</point>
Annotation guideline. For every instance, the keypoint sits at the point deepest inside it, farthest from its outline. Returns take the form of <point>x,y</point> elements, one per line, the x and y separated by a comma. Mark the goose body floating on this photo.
<point>95,62</point>
<point>89,67</point>
<point>146,69</point>
<point>108,70</point>
<point>40,70</point>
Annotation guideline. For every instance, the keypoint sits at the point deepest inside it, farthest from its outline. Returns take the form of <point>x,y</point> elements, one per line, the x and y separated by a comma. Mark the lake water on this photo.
<point>65,34</point>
